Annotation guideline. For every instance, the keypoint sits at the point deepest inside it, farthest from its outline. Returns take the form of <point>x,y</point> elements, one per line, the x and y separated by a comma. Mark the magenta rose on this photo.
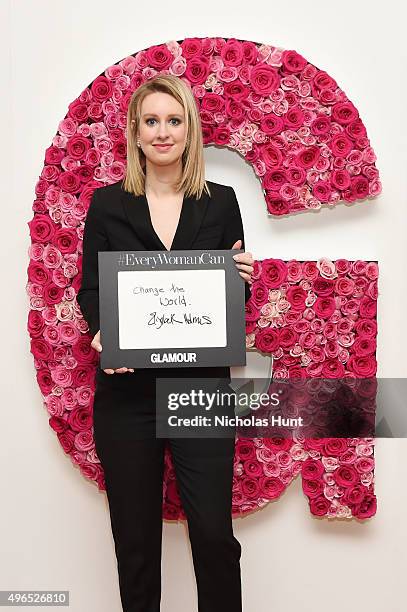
<point>66,240</point>
<point>83,352</point>
<point>323,286</point>
<point>159,57</point>
<point>341,145</point>
<point>232,53</point>
<point>40,349</point>
<point>69,182</point>
<point>310,270</point>
<point>346,476</point>
<point>308,156</point>
<point>312,469</point>
<point>363,366</point>
<point>322,191</point>
<point>42,228</point>
<point>275,179</point>
<point>335,446</point>
<point>364,346</point>
<point>340,179</point>
<point>271,487</point>
<point>293,62</point>
<point>271,124</point>
<point>312,488</point>
<point>333,368</point>
<point>245,449</point>
<point>296,296</point>
<point>366,327</point>
<point>294,118</point>
<point>191,47</point>
<point>344,113</point>
<point>271,156</point>
<point>267,340</point>
<point>38,273</point>
<point>212,103</point>
<point>259,294</point>
<point>288,337</point>
<point>264,79</point>
<point>320,506</point>
<point>250,487</point>
<point>101,88</point>
<point>78,146</point>
<point>356,129</point>
<point>368,308</point>
<point>367,507</point>
<point>322,80</point>
<point>321,125</point>
<point>66,439</point>
<point>274,273</point>
<point>344,286</point>
<point>359,186</point>
<point>324,307</point>
<point>35,324</point>
<point>45,382</point>
<point>197,70</point>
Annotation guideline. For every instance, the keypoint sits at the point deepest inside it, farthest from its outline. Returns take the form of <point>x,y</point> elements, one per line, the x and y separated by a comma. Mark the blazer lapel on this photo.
<point>191,216</point>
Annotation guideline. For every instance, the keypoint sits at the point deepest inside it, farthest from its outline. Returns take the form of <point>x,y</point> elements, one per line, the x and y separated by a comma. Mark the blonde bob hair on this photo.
<point>192,180</point>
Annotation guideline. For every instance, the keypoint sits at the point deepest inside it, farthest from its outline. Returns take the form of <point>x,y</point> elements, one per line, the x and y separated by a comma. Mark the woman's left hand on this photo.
<point>244,262</point>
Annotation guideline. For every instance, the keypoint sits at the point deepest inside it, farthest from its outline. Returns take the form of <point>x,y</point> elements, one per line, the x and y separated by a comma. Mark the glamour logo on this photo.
<point>173,357</point>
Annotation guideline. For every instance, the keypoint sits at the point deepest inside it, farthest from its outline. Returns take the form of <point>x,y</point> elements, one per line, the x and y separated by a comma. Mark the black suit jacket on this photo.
<point>119,221</point>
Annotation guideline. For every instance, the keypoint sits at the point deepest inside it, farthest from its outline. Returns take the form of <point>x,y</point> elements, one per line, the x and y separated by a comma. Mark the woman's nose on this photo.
<point>162,129</point>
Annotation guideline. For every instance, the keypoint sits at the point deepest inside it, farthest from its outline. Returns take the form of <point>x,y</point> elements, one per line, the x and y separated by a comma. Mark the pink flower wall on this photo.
<point>309,148</point>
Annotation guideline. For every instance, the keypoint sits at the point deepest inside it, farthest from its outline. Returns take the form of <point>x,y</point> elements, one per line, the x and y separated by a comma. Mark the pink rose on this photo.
<point>296,176</point>
<point>344,286</point>
<point>264,79</point>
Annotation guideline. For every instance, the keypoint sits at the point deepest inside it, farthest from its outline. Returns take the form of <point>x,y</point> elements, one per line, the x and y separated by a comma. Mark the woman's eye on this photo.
<point>173,119</point>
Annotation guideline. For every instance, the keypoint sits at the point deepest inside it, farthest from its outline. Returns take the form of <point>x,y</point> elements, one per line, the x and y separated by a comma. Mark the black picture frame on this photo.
<point>111,263</point>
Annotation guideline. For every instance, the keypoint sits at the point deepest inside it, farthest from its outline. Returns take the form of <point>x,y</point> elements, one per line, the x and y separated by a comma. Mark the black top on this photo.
<point>119,221</point>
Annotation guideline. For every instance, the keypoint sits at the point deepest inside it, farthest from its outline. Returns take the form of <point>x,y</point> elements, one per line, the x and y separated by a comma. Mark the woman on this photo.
<point>164,203</point>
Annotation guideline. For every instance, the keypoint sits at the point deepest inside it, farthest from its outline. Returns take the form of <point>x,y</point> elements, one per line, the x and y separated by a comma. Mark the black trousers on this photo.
<point>134,482</point>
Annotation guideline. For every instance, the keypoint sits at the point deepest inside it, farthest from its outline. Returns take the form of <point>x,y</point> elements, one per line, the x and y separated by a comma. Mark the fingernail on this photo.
<point>236,257</point>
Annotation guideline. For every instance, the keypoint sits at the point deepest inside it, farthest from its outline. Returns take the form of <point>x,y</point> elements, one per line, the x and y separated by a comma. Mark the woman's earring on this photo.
<point>138,143</point>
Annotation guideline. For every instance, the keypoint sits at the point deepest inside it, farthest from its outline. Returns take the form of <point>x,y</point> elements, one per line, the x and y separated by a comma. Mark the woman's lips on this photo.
<point>163,147</point>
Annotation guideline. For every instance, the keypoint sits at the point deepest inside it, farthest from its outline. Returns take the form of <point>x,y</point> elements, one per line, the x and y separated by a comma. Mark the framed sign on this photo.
<point>171,309</point>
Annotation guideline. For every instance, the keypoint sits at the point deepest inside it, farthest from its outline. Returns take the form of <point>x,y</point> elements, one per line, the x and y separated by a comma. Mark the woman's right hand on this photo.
<point>98,347</point>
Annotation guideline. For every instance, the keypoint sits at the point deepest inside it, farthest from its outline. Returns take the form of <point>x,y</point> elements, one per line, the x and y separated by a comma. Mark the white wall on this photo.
<point>55,529</point>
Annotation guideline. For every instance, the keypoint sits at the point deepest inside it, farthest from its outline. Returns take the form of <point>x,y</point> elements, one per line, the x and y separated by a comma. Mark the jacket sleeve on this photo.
<point>94,240</point>
<point>234,230</point>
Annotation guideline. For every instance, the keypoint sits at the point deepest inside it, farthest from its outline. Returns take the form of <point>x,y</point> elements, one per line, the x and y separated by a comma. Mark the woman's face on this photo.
<point>162,122</point>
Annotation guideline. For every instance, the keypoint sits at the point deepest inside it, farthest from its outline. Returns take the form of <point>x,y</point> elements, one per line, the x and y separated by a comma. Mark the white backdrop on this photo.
<point>55,527</point>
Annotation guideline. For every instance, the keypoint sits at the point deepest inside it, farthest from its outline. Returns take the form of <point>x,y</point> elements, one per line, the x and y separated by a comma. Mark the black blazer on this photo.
<point>119,221</point>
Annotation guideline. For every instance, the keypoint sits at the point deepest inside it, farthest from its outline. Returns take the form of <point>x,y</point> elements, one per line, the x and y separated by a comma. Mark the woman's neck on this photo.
<point>160,180</point>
